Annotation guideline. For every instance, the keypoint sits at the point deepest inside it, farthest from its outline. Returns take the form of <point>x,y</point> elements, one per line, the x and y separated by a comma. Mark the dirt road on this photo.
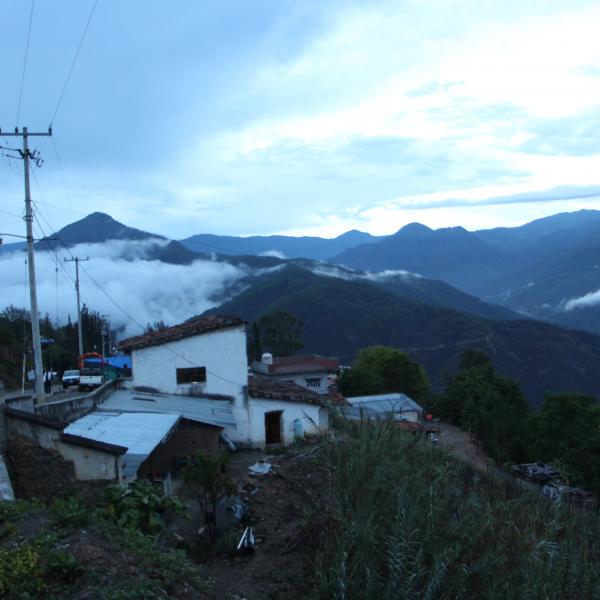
<point>459,443</point>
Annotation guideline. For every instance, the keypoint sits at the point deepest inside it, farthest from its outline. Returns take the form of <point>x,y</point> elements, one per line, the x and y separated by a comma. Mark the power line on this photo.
<point>135,322</point>
<point>25,63</point>
<point>62,175</point>
<point>64,89</point>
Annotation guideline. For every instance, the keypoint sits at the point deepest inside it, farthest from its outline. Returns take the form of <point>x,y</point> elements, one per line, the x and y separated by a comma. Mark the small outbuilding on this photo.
<point>280,412</point>
<point>396,406</point>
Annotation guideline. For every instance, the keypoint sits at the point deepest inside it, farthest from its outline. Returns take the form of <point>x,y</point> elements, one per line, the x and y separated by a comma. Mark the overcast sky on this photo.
<point>273,116</point>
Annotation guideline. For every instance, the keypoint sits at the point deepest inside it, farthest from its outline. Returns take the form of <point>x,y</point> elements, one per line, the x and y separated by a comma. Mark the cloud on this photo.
<point>586,301</point>
<point>563,192</point>
<point>273,253</point>
<point>132,291</point>
<point>349,275</point>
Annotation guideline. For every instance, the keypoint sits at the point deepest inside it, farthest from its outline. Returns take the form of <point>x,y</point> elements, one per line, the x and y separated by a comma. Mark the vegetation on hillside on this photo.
<point>341,317</point>
<point>565,431</point>
<point>406,520</point>
<point>382,370</point>
<point>115,551</point>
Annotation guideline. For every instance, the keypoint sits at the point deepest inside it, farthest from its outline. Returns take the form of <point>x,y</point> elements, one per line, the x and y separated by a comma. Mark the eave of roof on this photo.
<point>189,328</point>
<point>273,389</point>
<point>78,440</point>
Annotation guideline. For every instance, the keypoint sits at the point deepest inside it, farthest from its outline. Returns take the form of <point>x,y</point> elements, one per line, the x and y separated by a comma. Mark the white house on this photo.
<point>311,371</point>
<point>201,366</point>
<point>203,354</point>
<point>280,412</point>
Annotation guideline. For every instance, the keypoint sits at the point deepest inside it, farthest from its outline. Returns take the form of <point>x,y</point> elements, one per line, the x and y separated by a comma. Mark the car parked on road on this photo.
<point>70,378</point>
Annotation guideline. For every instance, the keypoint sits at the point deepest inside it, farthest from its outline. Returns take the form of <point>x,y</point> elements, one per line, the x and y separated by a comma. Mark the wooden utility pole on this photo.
<point>77,260</point>
<point>26,155</point>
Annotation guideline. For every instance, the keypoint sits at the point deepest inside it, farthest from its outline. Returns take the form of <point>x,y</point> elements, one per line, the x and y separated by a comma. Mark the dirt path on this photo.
<point>459,443</point>
<point>279,506</point>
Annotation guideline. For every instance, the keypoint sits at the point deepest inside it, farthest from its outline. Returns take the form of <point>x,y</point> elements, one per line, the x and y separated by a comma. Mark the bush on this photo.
<point>141,506</point>
<point>69,512</point>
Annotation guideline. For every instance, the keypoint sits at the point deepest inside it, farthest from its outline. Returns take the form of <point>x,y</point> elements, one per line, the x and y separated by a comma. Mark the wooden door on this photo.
<point>273,427</point>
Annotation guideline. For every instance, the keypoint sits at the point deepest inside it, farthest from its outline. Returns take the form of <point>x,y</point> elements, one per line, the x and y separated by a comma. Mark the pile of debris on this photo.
<point>555,484</point>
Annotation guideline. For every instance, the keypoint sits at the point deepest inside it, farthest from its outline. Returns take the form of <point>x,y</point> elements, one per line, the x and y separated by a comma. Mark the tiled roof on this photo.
<point>274,389</point>
<point>298,364</point>
<point>189,328</point>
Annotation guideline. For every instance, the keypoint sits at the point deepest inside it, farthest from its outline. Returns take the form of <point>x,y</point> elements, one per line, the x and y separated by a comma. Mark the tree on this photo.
<point>279,332</point>
<point>492,407</point>
<point>208,480</point>
<point>382,370</point>
<point>566,430</point>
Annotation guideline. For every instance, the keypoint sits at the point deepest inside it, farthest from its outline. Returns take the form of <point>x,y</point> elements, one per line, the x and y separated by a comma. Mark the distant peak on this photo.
<point>413,228</point>
<point>353,233</point>
<point>99,216</point>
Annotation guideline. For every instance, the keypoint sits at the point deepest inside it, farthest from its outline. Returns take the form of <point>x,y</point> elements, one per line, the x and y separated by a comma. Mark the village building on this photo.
<point>281,412</point>
<point>395,406</point>
<point>188,390</point>
<point>312,371</point>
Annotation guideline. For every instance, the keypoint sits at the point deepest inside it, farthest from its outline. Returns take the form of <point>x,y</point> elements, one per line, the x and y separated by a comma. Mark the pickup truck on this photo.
<point>70,378</point>
<point>90,379</point>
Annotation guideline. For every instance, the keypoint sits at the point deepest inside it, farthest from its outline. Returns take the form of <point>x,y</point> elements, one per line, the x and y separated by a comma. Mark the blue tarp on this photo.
<point>114,361</point>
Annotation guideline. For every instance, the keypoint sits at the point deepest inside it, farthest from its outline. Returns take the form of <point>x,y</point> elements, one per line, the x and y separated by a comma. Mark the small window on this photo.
<point>313,382</point>
<point>191,375</point>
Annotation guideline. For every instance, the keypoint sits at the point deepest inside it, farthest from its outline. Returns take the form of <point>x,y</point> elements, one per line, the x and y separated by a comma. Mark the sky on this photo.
<point>302,117</point>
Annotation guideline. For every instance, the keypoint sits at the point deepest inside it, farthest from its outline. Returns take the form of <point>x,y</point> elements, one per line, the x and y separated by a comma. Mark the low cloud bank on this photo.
<point>145,291</point>
<point>590,299</point>
<point>341,273</point>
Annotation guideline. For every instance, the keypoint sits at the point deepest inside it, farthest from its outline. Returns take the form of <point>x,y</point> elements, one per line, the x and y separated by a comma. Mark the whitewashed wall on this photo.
<point>91,464</point>
<point>314,419</point>
<point>222,352</point>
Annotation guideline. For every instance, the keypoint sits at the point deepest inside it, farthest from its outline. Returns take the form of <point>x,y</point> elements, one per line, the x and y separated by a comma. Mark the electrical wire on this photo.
<point>104,292</point>
<point>64,89</point>
<point>62,175</point>
<point>25,63</point>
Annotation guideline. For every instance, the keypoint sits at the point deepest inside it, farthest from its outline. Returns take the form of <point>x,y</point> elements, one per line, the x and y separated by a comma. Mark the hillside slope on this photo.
<point>340,317</point>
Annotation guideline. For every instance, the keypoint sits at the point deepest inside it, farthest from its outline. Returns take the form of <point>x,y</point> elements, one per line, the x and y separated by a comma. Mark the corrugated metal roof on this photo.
<point>386,403</point>
<point>203,410</point>
<point>140,433</point>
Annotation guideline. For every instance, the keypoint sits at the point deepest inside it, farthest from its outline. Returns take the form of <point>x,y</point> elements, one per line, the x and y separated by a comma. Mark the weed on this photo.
<point>409,521</point>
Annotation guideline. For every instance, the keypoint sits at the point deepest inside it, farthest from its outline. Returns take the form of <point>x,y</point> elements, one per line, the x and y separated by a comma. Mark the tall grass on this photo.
<point>407,521</point>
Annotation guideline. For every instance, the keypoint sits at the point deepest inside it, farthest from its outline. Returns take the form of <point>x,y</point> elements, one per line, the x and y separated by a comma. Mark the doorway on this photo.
<point>273,427</point>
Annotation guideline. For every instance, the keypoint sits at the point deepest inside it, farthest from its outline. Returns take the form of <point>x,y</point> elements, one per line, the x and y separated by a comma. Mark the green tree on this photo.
<point>382,370</point>
<point>566,430</point>
<point>208,480</point>
<point>279,332</point>
<point>492,407</point>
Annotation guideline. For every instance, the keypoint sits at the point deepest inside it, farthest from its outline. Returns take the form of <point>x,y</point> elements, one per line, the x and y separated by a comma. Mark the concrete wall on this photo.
<point>90,464</point>
<point>74,408</point>
<point>313,419</point>
<point>222,352</point>
<point>43,435</point>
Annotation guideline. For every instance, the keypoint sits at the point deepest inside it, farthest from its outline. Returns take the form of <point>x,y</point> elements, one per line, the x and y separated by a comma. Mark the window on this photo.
<point>313,382</point>
<point>191,375</point>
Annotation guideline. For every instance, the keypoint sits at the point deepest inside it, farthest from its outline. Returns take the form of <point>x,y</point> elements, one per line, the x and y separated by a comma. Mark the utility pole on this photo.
<point>77,260</point>
<point>35,319</point>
